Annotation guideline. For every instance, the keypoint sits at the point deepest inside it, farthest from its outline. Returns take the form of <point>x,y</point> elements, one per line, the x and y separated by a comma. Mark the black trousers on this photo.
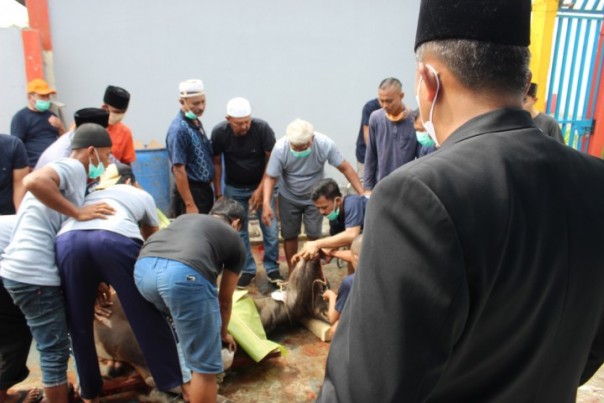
<point>15,340</point>
<point>202,193</point>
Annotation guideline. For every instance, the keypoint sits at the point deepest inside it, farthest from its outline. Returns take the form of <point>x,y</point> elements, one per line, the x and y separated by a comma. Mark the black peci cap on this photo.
<point>91,115</point>
<point>117,97</point>
<point>504,22</point>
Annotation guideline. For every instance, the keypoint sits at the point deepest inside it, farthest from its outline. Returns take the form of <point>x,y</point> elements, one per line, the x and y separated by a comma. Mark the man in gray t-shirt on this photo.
<point>28,267</point>
<point>298,164</point>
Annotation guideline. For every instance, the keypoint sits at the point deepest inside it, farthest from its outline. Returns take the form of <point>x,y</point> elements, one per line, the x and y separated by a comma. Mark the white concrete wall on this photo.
<point>12,76</point>
<point>319,60</point>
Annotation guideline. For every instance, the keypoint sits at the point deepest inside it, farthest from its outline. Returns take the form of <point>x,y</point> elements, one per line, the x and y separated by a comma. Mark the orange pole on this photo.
<point>596,142</point>
<point>32,49</point>
<point>38,19</point>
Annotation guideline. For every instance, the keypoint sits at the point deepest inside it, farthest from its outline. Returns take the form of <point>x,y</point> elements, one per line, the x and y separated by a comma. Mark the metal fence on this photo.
<point>576,67</point>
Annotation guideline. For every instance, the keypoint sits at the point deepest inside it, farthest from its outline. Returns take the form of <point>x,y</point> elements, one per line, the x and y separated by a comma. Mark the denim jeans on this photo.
<point>270,234</point>
<point>45,314</point>
<point>192,301</point>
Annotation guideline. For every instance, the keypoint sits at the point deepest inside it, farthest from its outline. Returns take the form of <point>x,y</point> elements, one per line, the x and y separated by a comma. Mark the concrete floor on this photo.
<point>295,376</point>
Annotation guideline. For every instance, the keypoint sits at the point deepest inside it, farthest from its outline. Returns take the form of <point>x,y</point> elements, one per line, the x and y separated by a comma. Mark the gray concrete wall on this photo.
<point>319,60</point>
<point>12,76</point>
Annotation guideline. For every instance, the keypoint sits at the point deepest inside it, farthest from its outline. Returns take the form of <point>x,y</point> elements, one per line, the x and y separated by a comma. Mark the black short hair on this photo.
<point>482,66</point>
<point>228,208</point>
<point>532,91</point>
<point>327,188</point>
<point>390,82</point>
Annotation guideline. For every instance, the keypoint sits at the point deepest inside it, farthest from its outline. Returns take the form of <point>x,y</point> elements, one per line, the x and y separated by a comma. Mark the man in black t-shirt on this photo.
<point>246,143</point>
<point>547,124</point>
<point>36,125</point>
<point>13,168</point>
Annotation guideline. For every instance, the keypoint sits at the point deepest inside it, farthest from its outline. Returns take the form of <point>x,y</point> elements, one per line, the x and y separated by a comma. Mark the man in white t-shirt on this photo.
<point>298,164</point>
<point>28,268</point>
<point>105,250</point>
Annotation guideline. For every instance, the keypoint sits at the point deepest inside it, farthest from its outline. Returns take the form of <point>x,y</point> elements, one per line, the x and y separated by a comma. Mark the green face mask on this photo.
<point>42,105</point>
<point>333,215</point>
<point>94,171</point>
<point>424,139</point>
<point>301,154</point>
<point>190,115</point>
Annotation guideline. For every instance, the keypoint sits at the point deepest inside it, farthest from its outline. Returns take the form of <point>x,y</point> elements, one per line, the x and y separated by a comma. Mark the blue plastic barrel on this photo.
<point>152,171</point>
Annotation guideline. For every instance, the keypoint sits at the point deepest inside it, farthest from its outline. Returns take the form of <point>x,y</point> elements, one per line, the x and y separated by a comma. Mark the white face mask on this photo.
<point>115,117</point>
<point>428,125</point>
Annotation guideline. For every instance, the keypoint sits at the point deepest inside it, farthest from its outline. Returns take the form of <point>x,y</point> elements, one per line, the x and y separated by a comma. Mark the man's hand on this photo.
<point>309,251</point>
<point>192,209</point>
<point>296,258</point>
<point>267,215</point>
<point>92,211</point>
<point>328,295</point>
<point>56,123</point>
<point>230,342</point>
<point>327,254</point>
<point>102,308</point>
<point>255,201</point>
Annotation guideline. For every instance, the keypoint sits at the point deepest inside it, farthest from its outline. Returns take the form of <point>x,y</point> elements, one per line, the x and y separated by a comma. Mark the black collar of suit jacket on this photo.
<point>499,120</point>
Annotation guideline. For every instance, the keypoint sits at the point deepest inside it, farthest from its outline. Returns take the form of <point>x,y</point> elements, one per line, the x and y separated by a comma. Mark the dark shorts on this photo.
<point>292,215</point>
<point>202,193</point>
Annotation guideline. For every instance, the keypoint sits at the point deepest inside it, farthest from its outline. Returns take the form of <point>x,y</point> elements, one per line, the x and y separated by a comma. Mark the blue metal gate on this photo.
<point>576,69</point>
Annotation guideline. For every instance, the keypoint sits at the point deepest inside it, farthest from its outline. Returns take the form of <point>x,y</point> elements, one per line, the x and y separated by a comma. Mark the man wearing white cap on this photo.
<point>246,144</point>
<point>190,153</point>
<point>298,164</point>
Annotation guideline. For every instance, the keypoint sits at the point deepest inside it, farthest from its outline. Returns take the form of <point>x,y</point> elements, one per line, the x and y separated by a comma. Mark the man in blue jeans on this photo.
<point>28,268</point>
<point>246,144</point>
<point>178,269</point>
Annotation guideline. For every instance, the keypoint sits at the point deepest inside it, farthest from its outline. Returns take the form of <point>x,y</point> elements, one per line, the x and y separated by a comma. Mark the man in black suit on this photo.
<point>481,271</point>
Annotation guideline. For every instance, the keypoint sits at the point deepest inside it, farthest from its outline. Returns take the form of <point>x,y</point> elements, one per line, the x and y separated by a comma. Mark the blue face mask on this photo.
<point>42,105</point>
<point>94,171</point>
<point>301,154</point>
<point>424,139</point>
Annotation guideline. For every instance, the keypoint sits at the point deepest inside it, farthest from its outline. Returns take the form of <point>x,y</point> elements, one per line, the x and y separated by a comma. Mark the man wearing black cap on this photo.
<point>28,269</point>
<point>479,278</point>
<point>105,250</point>
<point>116,102</point>
<point>61,148</point>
